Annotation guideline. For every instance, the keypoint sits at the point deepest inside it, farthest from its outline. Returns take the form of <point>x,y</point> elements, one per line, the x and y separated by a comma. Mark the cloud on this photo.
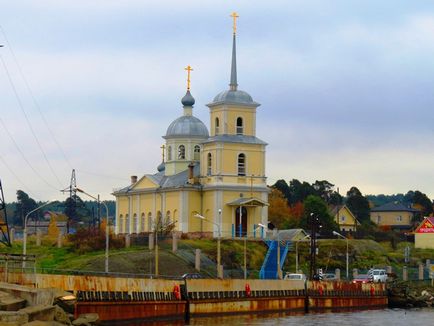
<point>345,88</point>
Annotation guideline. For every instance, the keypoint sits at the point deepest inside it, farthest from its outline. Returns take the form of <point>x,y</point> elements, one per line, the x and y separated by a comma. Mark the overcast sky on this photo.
<point>346,88</point>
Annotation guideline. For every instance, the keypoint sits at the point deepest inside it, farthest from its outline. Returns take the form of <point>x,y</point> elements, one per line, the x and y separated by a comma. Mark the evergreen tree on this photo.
<point>358,204</point>
<point>24,205</point>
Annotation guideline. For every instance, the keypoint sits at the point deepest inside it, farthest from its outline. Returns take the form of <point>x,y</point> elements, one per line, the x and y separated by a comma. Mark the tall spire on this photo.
<point>233,85</point>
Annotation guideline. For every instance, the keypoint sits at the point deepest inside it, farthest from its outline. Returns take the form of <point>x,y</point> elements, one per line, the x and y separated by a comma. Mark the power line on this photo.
<point>23,156</point>
<point>27,119</point>
<point>33,97</point>
<point>16,176</point>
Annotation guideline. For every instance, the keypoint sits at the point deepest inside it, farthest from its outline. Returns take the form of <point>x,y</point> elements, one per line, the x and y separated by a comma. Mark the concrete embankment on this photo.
<point>116,298</point>
<point>23,305</point>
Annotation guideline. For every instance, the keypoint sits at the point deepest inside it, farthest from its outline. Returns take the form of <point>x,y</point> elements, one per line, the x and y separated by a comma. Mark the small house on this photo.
<point>424,234</point>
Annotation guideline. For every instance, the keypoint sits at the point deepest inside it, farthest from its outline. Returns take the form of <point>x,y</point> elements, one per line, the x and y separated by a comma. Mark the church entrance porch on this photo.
<point>241,222</point>
<point>246,216</point>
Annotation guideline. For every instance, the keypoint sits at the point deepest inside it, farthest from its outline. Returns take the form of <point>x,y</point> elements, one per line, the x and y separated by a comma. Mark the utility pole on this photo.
<point>4,227</point>
<point>314,226</point>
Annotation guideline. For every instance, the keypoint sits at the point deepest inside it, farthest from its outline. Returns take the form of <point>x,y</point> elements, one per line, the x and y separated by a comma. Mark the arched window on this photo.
<point>159,222</point>
<point>239,126</point>
<point>169,153</point>
<point>142,224</point>
<point>127,224</point>
<point>149,222</point>
<point>181,152</point>
<point>217,125</point>
<point>242,164</point>
<point>196,155</point>
<point>135,221</point>
<point>121,224</point>
<point>168,219</point>
<point>209,164</point>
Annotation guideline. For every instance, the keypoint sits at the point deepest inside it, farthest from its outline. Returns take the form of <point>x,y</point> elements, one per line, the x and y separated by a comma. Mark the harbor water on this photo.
<point>395,317</point>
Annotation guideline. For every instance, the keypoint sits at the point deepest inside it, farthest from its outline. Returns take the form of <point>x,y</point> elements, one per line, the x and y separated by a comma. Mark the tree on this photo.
<point>358,204</point>
<point>317,207</point>
<point>75,209</point>
<point>53,231</point>
<point>299,191</point>
<point>24,205</point>
<point>283,187</point>
<point>423,202</point>
<point>278,211</point>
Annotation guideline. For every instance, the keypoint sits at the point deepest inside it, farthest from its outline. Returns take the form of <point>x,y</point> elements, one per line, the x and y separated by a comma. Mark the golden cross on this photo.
<point>188,68</point>
<point>235,16</point>
<point>163,147</point>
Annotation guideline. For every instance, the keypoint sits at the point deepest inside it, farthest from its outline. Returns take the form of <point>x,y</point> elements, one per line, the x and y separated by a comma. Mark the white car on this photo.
<point>295,276</point>
<point>378,275</point>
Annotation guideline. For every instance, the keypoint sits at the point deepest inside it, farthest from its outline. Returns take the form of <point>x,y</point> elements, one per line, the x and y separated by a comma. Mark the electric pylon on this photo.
<point>4,226</point>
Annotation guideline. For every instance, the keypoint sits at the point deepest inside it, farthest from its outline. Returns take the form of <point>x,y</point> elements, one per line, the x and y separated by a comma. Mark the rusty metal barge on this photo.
<point>122,299</point>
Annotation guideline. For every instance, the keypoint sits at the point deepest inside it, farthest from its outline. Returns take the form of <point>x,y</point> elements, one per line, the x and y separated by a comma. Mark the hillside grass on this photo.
<point>140,260</point>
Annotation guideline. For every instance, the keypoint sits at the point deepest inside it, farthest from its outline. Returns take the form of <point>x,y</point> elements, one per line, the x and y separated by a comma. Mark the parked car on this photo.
<point>329,277</point>
<point>295,276</point>
<point>362,278</point>
<point>378,275</point>
<point>191,276</point>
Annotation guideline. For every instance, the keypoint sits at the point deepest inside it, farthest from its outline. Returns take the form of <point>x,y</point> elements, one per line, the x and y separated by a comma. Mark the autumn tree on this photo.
<point>278,211</point>
<point>53,230</point>
<point>283,187</point>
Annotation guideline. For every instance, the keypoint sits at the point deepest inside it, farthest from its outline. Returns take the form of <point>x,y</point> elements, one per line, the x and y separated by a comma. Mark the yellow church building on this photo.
<point>218,174</point>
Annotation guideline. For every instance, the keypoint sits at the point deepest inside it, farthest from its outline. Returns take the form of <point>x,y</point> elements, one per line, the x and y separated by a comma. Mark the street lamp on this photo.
<point>279,270</point>
<point>106,265</point>
<point>219,273</point>
<point>296,251</point>
<point>346,239</point>
<point>25,229</point>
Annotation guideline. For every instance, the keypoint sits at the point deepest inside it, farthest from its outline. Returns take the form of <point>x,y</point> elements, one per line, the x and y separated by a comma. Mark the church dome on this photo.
<point>187,126</point>
<point>161,167</point>
<point>188,99</point>
<point>235,97</point>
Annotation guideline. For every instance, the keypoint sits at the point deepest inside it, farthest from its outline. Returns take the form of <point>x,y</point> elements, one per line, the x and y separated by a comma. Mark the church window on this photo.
<point>127,224</point>
<point>169,153</point>
<point>135,221</point>
<point>196,153</point>
<point>159,222</point>
<point>181,152</point>
<point>239,126</point>
<point>242,164</point>
<point>142,224</point>
<point>121,224</point>
<point>217,125</point>
<point>168,219</point>
<point>150,222</point>
<point>209,164</point>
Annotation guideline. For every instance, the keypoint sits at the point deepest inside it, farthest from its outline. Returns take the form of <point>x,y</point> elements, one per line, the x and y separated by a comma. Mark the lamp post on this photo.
<point>346,239</point>
<point>279,269</point>
<point>219,273</point>
<point>296,251</point>
<point>106,263</point>
<point>25,229</point>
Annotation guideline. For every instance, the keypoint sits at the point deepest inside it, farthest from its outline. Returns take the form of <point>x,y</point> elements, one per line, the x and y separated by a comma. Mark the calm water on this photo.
<point>395,317</point>
<point>386,317</point>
